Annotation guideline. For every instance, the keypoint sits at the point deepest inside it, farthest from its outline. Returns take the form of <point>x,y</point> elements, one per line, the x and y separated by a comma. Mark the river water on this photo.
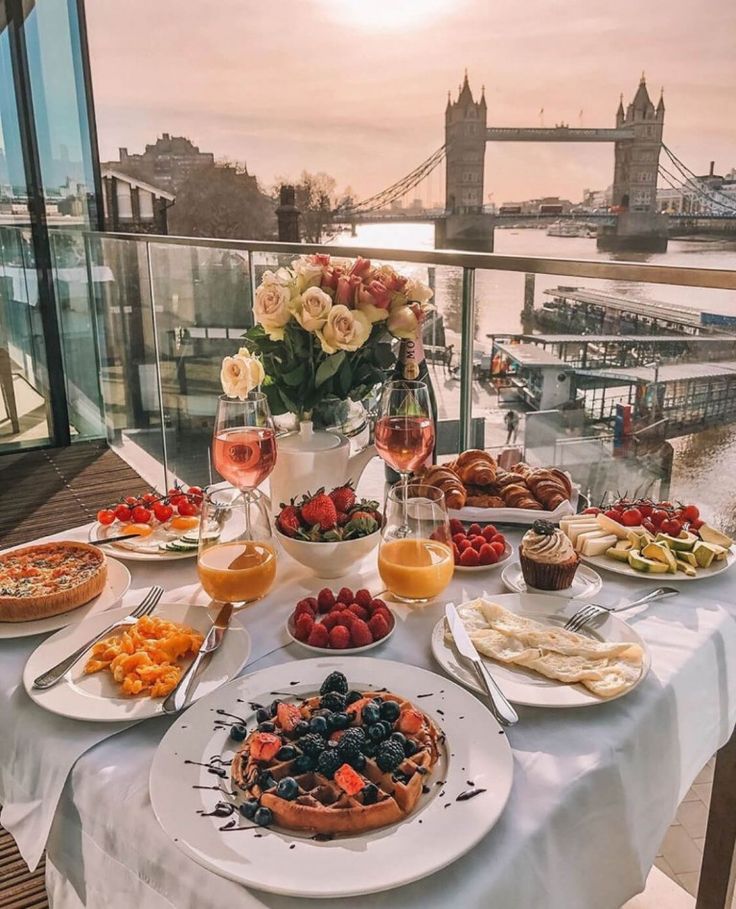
<point>704,469</point>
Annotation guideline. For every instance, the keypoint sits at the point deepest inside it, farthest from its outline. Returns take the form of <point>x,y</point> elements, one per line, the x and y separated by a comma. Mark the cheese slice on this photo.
<point>596,534</point>
<point>594,546</point>
<point>574,532</point>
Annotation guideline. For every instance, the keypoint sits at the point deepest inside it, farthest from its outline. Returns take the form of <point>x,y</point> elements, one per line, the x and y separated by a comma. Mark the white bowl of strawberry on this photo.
<point>345,621</point>
<point>479,546</point>
<point>329,532</point>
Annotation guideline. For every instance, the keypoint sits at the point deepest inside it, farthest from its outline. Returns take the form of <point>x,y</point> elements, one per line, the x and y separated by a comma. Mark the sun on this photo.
<point>385,15</point>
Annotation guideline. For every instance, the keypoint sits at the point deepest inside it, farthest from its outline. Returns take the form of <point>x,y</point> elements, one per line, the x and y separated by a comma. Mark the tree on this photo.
<point>222,200</point>
<point>316,199</point>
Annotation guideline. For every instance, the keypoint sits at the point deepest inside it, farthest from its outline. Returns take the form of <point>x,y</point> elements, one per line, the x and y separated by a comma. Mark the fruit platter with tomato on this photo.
<point>478,546</point>
<point>640,536</point>
<point>341,621</point>
<point>153,526</point>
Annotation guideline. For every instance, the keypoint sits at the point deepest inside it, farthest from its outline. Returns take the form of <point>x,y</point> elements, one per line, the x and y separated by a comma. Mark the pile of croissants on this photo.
<point>474,478</point>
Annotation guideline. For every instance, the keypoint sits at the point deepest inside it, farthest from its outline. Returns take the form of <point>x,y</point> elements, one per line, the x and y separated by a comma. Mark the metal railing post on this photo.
<point>465,439</point>
<point>157,353</point>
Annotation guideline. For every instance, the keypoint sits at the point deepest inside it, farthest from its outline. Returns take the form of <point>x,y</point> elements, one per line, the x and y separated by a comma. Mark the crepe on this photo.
<point>606,669</point>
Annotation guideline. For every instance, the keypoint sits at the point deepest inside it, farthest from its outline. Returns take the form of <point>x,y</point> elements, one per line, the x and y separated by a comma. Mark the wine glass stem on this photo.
<point>405,530</point>
<point>248,496</point>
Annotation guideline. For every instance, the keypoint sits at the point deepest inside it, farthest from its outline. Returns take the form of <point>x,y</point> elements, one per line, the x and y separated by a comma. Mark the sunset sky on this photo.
<point>357,88</point>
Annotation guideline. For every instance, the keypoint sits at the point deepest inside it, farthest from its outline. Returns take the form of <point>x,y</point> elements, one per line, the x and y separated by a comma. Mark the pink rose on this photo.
<point>361,266</point>
<point>380,294</point>
<point>344,291</point>
<point>320,259</point>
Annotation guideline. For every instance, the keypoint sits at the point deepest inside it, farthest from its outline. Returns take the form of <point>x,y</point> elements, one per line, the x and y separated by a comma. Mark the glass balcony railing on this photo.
<point>628,393</point>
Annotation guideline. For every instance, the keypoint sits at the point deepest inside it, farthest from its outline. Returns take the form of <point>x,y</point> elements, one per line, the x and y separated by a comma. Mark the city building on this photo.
<point>637,160</point>
<point>707,194</point>
<point>167,163</point>
<point>133,205</point>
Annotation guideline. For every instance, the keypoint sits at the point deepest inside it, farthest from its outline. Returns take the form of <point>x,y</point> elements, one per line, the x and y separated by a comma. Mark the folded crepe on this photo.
<point>606,669</point>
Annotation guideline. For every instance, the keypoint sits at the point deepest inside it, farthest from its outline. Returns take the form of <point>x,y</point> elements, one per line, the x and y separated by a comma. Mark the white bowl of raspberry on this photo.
<point>329,560</point>
<point>352,623</point>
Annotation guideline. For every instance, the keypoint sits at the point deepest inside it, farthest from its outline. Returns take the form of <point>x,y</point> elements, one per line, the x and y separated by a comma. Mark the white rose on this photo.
<point>311,308</point>
<point>271,309</point>
<point>308,274</point>
<point>280,276</point>
<point>345,329</point>
<point>403,323</point>
<point>417,292</point>
<point>241,374</point>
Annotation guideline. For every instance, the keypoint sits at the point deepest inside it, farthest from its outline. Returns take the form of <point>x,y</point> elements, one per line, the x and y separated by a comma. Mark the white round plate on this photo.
<point>586,583</point>
<point>116,586</point>
<point>330,651</point>
<point>476,569</point>
<point>523,686</point>
<point>97,697</point>
<point>438,832</point>
<point>624,568</point>
<point>100,531</point>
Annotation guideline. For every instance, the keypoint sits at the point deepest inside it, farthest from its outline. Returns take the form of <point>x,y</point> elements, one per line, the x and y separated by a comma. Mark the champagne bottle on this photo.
<point>412,366</point>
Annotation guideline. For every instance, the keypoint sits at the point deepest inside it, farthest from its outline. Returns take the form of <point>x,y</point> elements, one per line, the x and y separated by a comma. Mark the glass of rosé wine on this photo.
<point>404,434</point>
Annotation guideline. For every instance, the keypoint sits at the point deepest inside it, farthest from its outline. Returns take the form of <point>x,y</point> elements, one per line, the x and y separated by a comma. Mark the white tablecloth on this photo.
<point>594,788</point>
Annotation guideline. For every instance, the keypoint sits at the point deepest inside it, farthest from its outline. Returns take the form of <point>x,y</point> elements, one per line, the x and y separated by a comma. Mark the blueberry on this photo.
<point>274,707</point>
<point>266,781</point>
<point>410,747</point>
<point>358,762</point>
<point>318,724</point>
<point>263,817</point>
<point>390,711</point>
<point>376,732</point>
<point>263,715</point>
<point>288,789</point>
<point>301,728</point>
<point>338,721</point>
<point>303,764</point>
<point>266,727</point>
<point>351,697</point>
<point>399,737</point>
<point>370,714</point>
<point>248,808</point>
<point>287,753</point>
<point>370,794</point>
<point>238,732</point>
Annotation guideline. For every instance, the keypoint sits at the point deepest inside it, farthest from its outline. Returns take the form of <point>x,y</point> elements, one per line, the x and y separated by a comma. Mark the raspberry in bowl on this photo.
<point>478,547</point>
<point>341,621</point>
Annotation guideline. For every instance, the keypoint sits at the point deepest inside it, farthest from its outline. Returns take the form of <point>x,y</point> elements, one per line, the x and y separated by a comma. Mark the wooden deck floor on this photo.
<point>43,492</point>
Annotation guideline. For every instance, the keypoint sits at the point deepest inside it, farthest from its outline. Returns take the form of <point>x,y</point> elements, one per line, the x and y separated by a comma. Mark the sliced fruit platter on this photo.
<point>341,621</point>
<point>478,546</point>
<point>644,537</point>
<point>153,525</point>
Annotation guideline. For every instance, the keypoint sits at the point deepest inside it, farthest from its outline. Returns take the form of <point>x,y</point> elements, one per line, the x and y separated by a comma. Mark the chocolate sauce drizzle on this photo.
<point>217,771</point>
<point>469,794</point>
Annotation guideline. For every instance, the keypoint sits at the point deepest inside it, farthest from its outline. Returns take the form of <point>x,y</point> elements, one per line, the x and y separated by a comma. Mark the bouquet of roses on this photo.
<point>324,328</point>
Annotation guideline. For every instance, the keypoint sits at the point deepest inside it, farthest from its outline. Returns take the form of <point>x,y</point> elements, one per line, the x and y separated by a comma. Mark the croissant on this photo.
<point>548,488</point>
<point>564,479</point>
<point>476,467</point>
<point>446,480</point>
<point>505,478</point>
<point>518,496</point>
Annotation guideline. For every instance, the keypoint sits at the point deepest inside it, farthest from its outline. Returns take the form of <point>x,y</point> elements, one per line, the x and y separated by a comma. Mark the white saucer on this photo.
<point>585,585</point>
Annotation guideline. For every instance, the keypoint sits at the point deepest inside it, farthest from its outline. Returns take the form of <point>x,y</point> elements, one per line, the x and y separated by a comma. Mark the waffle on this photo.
<point>321,805</point>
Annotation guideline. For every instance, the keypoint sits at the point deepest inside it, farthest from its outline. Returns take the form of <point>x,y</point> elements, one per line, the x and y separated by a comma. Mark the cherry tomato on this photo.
<point>195,494</point>
<point>122,513</point>
<point>691,513</point>
<point>647,525</point>
<point>591,510</point>
<point>631,517</point>
<point>174,491</point>
<point>149,498</point>
<point>106,516</point>
<point>498,548</point>
<point>130,501</point>
<point>614,514</point>
<point>162,512</point>
<point>696,525</point>
<point>657,516</point>
<point>175,501</point>
<point>141,514</point>
<point>187,508</point>
<point>671,526</point>
<point>645,509</point>
<point>666,505</point>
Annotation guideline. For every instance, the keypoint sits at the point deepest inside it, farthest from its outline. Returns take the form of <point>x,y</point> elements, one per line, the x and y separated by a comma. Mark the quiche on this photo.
<point>48,579</point>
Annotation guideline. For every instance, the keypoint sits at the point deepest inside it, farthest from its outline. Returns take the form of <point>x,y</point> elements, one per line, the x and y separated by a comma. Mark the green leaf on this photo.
<point>288,403</point>
<point>328,367</point>
<point>294,376</point>
<point>384,356</point>
<point>345,377</point>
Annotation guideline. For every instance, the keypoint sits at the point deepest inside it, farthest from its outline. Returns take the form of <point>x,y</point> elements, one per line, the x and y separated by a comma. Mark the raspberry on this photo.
<point>363,598</point>
<point>359,611</point>
<point>478,541</point>
<point>325,600</point>
<point>305,607</point>
<point>464,544</point>
<point>458,538</point>
<point>487,555</point>
<point>456,526</point>
<point>303,626</point>
<point>318,636</point>
<point>455,553</point>
<point>473,530</point>
<point>330,620</point>
<point>469,558</point>
<point>345,596</point>
<point>385,612</point>
<point>340,638</point>
<point>489,531</point>
<point>343,617</point>
<point>376,604</point>
<point>360,633</point>
<point>378,627</point>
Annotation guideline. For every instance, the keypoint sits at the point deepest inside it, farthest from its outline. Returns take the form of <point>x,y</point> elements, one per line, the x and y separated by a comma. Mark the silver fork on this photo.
<point>49,678</point>
<point>591,611</point>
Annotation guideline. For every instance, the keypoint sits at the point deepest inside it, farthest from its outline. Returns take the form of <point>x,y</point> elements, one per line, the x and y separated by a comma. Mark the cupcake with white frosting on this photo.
<point>548,560</point>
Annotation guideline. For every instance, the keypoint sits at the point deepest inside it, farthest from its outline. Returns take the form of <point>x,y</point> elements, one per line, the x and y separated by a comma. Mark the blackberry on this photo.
<point>351,743</point>
<point>303,764</point>
<point>370,714</point>
<point>318,724</point>
<point>338,721</point>
<point>335,681</point>
<point>328,762</point>
<point>351,697</point>
<point>333,700</point>
<point>369,749</point>
<point>287,753</point>
<point>369,793</point>
<point>312,744</point>
<point>238,732</point>
<point>390,711</point>
<point>301,728</point>
<point>389,755</point>
<point>358,762</point>
<point>263,715</point>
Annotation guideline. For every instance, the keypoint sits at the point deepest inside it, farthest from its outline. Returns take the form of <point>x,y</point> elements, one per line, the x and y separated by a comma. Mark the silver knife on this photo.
<point>500,707</point>
<point>179,697</point>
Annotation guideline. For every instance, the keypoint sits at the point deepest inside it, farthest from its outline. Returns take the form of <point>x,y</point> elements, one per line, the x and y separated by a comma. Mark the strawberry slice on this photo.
<point>357,706</point>
<point>265,746</point>
<point>288,715</point>
<point>410,721</point>
<point>349,780</point>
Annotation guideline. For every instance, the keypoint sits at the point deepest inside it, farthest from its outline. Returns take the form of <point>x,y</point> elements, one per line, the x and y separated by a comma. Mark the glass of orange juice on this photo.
<point>236,562</point>
<point>415,558</point>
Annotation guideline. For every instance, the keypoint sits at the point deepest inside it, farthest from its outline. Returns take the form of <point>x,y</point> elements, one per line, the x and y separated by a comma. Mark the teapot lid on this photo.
<point>306,439</point>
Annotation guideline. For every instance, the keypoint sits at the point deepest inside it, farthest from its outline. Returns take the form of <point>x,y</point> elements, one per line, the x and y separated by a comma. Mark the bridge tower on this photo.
<point>465,226</point>
<point>636,167</point>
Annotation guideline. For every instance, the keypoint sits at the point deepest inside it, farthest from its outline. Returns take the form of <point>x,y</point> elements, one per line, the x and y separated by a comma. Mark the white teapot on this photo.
<point>307,460</point>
